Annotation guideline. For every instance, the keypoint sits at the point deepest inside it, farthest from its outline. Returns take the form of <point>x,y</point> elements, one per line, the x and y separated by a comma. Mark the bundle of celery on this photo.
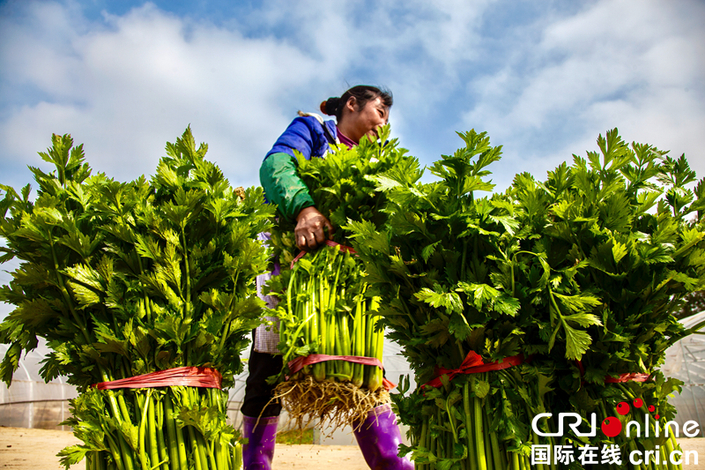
<point>332,306</point>
<point>325,309</point>
<point>625,227</point>
<point>435,266</point>
<point>125,279</point>
<point>574,277</point>
<point>328,316</point>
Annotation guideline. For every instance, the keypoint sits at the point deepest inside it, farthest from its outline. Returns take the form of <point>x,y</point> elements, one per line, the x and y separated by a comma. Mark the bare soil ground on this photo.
<point>36,449</point>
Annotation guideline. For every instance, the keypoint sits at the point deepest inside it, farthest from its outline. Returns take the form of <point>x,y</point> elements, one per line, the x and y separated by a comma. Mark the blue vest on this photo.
<point>307,135</point>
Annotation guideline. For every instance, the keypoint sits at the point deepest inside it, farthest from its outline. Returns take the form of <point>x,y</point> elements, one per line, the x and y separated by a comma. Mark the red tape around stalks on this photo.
<point>633,377</point>
<point>622,378</point>
<point>202,377</point>
<point>331,243</point>
<point>473,365</point>
<point>300,362</point>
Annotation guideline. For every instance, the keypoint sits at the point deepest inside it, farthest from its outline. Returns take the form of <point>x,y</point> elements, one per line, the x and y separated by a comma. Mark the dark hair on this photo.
<point>362,94</point>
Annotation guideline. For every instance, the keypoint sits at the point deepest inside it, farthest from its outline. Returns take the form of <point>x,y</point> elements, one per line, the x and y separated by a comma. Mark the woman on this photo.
<point>359,111</point>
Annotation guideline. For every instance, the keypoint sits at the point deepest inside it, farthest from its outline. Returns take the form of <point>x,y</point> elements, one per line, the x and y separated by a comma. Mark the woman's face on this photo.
<point>365,121</point>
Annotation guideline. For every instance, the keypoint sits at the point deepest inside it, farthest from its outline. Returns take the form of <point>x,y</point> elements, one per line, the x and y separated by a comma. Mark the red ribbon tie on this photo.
<point>202,377</point>
<point>473,364</point>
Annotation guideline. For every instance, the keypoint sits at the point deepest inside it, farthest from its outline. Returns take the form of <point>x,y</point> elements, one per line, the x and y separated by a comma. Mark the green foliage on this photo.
<point>123,279</point>
<point>582,272</point>
<point>623,228</point>
<point>436,262</point>
<point>693,304</point>
<point>442,266</point>
<point>296,437</point>
<point>345,187</point>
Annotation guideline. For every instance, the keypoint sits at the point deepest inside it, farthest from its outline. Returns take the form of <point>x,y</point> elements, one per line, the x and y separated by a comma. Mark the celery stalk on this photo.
<point>479,434</point>
<point>358,342</point>
<point>198,463</point>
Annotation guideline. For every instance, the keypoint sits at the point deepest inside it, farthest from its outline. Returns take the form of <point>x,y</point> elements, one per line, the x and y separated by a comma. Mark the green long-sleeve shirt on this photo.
<point>282,185</point>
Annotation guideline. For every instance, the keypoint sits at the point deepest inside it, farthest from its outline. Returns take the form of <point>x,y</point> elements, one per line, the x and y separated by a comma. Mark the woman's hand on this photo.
<point>309,228</point>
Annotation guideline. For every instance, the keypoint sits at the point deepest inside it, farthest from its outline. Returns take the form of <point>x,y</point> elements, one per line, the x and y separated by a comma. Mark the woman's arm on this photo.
<point>283,186</point>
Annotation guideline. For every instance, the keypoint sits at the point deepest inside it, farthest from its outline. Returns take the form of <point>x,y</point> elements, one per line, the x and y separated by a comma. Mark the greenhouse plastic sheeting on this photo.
<point>685,361</point>
<point>29,402</point>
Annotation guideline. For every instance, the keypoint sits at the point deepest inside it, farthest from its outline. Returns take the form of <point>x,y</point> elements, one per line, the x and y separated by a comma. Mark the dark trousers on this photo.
<point>258,393</point>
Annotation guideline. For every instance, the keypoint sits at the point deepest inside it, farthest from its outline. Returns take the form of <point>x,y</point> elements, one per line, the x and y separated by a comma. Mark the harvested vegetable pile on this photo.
<point>435,267</point>
<point>324,309</point>
<point>624,226</point>
<point>125,279</point>
<point>534,300</point>
<point>327,313</point>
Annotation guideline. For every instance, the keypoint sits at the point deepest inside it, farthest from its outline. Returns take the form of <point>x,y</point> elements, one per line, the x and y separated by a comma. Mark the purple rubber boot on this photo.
<point>258,453</point>
<point>379,438</point>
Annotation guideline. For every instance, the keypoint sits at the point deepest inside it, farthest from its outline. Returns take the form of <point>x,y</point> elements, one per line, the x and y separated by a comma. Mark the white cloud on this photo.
<point>639,68</point>
<point>126,84</point>
<point>126,87</point>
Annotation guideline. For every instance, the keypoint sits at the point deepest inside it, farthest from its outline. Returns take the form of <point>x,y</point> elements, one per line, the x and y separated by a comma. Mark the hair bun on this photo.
<point>330,106</point>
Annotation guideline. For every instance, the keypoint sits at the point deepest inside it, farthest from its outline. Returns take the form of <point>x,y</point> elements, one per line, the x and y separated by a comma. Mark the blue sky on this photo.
<point>543,78</point>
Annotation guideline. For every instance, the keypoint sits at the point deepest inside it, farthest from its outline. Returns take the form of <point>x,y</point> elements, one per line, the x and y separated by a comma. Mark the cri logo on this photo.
<point>612,426</point>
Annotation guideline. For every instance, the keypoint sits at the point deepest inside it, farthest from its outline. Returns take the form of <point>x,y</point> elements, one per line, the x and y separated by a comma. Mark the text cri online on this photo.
<point>633,429</point>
